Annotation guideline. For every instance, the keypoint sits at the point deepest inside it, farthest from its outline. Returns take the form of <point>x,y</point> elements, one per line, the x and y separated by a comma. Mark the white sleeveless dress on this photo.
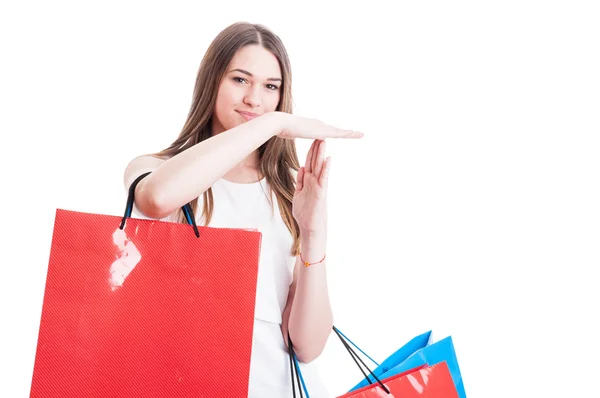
<point>238,205</point>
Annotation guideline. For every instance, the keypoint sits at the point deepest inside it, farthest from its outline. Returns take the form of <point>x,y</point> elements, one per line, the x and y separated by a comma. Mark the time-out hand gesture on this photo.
<point>309,206</point>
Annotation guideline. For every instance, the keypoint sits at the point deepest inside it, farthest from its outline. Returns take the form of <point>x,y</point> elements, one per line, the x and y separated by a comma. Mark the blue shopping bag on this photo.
<point>402,354</point>
<point>441,351</point>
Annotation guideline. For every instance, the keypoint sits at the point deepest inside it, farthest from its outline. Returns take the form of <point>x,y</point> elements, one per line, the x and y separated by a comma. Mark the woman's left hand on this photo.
<point>309,205</point>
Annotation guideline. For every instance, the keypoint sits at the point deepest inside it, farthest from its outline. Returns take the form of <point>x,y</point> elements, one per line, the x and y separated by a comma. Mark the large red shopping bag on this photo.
<point>146,308</point>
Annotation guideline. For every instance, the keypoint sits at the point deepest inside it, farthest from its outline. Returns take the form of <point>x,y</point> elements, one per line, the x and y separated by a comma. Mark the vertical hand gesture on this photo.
<point>309,205</point>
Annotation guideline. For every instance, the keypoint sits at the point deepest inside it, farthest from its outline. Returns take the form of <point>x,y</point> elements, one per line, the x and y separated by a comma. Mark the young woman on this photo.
<point>235,161</point>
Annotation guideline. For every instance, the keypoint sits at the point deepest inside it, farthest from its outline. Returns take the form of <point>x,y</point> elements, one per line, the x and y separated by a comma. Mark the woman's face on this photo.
<point>249,88</point>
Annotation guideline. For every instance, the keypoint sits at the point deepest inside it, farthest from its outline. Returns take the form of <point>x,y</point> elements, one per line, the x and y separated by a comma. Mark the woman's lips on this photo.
<point>248,115</point>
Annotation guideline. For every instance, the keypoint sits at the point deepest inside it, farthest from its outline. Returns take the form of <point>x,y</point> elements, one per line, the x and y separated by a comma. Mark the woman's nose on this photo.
<point>252,97</point>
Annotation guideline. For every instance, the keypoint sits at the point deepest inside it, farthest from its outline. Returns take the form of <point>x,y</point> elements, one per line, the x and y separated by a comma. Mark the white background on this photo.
<point>470,207</point>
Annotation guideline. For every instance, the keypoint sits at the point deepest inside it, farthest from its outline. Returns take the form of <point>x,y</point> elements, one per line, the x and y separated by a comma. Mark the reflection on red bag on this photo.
<point>423,382</point>
<point>145,311</point>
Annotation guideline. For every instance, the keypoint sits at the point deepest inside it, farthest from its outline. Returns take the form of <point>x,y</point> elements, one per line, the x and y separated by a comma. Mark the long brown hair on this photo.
<point>277,157</point>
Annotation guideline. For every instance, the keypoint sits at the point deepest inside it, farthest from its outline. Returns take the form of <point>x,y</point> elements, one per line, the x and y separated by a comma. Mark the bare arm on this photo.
<point>182,178</point>
<point>308,316</point>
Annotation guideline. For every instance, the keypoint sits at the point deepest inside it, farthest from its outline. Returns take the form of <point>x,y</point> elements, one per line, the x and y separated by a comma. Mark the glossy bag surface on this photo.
<point>423,382</point>
<point>150,310</point>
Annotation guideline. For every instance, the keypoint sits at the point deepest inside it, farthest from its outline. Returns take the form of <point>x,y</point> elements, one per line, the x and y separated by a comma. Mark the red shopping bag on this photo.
<point>423,382</point>
<point>146,309</point>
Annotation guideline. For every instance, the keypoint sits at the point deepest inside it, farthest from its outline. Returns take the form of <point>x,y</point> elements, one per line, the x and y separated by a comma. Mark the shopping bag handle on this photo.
<point>355,356</point>
<point>355,346</point>
<point>295,370</point>
<point>295,367</point>
<point>187,209</point>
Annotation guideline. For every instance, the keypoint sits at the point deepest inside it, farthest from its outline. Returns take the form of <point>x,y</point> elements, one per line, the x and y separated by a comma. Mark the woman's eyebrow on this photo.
<point>250,74</point>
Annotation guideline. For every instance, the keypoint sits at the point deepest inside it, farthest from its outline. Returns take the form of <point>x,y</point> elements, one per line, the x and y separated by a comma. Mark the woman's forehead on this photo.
<point>257,61</point>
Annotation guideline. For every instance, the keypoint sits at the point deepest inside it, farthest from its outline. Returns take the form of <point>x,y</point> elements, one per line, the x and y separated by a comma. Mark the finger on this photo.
<point>319,159</point>
<point>354,134</point>
<point>342,133</point>
<point>300,179</point>
<point>315,157</point>
<point>324,178</point>
<point>309,157</point>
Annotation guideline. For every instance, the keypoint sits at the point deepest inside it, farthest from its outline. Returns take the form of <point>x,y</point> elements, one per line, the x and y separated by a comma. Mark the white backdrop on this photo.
<point>470,207</point>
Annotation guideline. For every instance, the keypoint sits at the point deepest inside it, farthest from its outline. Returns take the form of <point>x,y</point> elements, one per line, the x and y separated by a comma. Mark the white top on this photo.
<point>238,205</point>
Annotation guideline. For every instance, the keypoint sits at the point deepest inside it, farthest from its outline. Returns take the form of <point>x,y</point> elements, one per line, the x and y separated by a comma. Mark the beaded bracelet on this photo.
<point>307,264</point>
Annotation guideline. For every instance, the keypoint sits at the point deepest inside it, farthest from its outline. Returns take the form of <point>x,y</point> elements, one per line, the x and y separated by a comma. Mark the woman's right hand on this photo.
<point>293,126</point>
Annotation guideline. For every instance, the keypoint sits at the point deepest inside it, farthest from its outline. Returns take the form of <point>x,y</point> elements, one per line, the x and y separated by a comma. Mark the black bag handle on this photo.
<point>355,356</point>
<point>295,369</point>
<point>187,209</point>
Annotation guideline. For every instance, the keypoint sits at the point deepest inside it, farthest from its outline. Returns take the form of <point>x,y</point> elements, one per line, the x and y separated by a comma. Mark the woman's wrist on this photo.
<point>314,245</point>
<point>313,234</point>
<point>275,122</point>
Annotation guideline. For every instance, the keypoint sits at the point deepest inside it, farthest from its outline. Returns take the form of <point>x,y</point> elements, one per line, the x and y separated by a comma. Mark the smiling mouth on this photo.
<point>248,115</point>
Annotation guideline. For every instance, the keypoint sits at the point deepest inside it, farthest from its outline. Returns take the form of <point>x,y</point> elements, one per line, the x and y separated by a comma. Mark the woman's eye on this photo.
<point>242,80</point>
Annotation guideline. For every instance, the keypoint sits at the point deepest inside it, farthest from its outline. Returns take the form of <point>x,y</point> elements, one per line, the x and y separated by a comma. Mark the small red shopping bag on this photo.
<point>423,382</point>
<point>144,308</point>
